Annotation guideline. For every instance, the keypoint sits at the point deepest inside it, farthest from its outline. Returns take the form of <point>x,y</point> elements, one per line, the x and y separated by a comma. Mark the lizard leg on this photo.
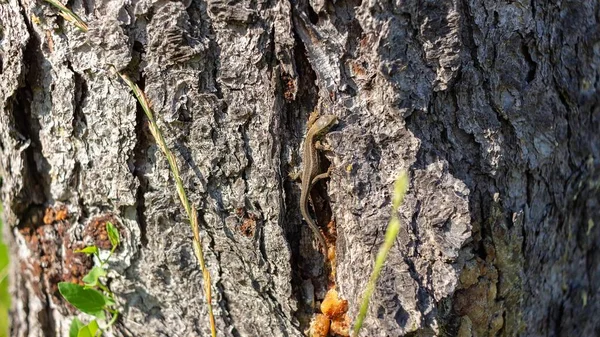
<point>312,118</point>
<point>322,146</point>
<point>295,175</point>
<point>320,177</point>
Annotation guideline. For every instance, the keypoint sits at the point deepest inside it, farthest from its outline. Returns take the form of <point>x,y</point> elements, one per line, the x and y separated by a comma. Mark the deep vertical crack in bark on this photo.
<point>140,154</point>
<point>139,167</point>
<point>36,183</point>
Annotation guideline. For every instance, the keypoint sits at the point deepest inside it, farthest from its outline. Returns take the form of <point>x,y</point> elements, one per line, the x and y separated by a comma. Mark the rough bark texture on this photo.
<point>492,105</point>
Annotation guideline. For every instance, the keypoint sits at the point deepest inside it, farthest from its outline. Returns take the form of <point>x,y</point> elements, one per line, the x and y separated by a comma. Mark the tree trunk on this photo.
<point>491,106</point>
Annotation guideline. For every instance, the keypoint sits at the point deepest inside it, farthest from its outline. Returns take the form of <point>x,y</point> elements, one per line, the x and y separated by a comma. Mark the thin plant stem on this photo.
<point>113,320</point>
<point>400,188</point>
<point>190,210</point>
<point>3,274</point>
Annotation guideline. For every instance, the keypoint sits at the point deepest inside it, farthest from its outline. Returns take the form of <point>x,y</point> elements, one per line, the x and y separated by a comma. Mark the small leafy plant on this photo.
<point>94,297</point>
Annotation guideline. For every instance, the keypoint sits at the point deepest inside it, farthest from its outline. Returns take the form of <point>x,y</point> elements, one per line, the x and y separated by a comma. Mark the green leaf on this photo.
<point>89,250</point>
<point>76,325</point>
<point>4,255</point>
<point>4,293</point>
<point>89,330</point>
<point>113,234</point>
<point>109,301</point>
<point>89,301</point>
<point>91,279</point>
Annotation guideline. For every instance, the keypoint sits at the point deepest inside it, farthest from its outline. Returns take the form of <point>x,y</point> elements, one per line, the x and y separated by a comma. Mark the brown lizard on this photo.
<point>310,173</point>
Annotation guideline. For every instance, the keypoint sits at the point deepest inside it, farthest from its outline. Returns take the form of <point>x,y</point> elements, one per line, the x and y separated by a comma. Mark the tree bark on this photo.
<point>492,106</point>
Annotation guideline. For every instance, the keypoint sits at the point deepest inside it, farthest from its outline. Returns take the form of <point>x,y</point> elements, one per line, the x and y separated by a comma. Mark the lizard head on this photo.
<point>325,122</point>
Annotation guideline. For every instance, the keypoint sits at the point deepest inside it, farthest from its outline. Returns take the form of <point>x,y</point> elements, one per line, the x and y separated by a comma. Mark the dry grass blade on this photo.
<point>190,210</point>
<point>205,274</point>
<point>69,15</point>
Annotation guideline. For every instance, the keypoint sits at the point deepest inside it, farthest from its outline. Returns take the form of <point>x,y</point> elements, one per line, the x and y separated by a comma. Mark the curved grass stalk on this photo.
<point>190,210</point>
<point>400,188</point>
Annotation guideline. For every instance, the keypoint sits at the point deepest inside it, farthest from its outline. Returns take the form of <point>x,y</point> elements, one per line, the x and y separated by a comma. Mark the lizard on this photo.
<point>311,167</point>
